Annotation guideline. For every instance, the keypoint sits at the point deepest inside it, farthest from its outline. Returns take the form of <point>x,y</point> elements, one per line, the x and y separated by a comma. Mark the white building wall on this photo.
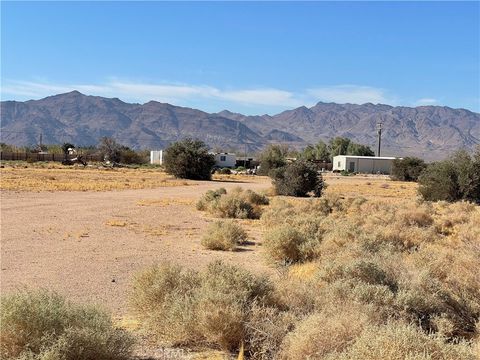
<point>339,163</point>
<point>156,157</point>
<point>363,164</point>
<point>225,160</point>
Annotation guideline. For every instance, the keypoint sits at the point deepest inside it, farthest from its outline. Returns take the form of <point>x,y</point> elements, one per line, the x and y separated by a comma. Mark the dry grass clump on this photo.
<point>206,308</point>
<point>287,245</point>
<point>329,331</point>
<point>265,329</point>
<point>398,342</point>
<point>224,235</point>
<point>238,204</point>
<point>43,325</point>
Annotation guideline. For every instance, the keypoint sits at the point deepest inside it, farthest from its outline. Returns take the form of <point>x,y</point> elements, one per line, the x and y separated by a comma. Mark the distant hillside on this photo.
<point>431,132</point>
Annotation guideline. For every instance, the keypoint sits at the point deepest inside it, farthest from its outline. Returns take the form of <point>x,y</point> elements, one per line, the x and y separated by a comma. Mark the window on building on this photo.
<point>338,164</point>
<point>223,158</point>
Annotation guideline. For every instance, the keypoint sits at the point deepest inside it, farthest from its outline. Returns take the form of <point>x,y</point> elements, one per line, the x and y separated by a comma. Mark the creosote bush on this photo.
<point>407,169</point>
<point>189,159</point>
<point>224,235</point>
<point>237,204</point>
<point>297,179</point>
<point>457,178</point>
<point>43,325</point>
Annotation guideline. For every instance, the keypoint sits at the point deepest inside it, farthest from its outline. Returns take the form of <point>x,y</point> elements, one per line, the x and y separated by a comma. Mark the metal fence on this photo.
<point>26,156</point>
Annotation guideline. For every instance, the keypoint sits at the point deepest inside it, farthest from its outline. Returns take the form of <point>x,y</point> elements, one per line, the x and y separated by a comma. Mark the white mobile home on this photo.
<point>225,160</point>
<point>363,164</point>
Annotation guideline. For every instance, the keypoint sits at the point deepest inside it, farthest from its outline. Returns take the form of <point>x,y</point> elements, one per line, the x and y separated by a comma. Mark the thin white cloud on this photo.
<point>273,97</point>
<point>185,94</point>
<point>426,101</point>
<point>353,94</point>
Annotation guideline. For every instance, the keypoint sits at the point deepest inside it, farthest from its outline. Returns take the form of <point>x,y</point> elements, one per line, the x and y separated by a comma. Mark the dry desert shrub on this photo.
<point>224,235</point>
<point>194,309</point>
<point>329,331</point>
<point>43,325</point>
<point>398,342</point>
<point>359,273</point>
<point>265,329</point>
<point>238,204</point>
<point>209,197</point>
<point>278,211</point>
<point>283,244</point>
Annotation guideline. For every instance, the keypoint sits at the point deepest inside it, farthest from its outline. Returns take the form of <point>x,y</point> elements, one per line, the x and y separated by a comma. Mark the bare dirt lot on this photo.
<point>87,245</point>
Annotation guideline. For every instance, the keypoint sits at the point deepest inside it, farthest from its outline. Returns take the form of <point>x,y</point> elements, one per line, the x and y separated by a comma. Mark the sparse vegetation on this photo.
<point>40,325</point>
<point>369,277</point>
<point>224,235</point>
<point>55,177</point>
<point>189,159</point>
<point>364,272</point>
<point>238,204</point>
<point>297,179</point>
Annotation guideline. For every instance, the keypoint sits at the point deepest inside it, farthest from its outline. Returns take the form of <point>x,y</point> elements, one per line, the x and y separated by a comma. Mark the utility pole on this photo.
<point>379,141</point>
<point>245,159</point>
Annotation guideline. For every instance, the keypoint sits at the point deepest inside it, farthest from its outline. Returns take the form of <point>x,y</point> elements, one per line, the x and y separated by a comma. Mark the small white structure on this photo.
<point>363,164</point>
<point>225,160</point>
<point>156,157</point>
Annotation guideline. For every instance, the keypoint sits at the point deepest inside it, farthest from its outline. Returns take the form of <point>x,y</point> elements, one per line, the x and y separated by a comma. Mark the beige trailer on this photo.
<point>363,164</point>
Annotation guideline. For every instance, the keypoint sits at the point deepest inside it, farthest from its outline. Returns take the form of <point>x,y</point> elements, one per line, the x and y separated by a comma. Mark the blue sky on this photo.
<point>250,57</point>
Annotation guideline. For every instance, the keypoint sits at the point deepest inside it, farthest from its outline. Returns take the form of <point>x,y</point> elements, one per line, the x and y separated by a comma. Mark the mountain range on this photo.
<point>430,132</point>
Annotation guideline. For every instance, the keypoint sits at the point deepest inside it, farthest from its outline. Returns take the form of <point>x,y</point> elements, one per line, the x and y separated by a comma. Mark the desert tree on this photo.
<point>189,159</point>
<point>273,157</point>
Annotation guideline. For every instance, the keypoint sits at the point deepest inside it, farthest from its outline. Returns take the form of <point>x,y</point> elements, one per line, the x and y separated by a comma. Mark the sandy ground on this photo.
<point>88,245</point>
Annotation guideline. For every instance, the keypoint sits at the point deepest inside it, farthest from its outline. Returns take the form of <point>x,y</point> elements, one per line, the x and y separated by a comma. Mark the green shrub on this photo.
<point>407,169</point>
<point>457,178</point>
<point>297,179</point>
<point>189,159</point>
<point>224,171</point>
<point>439,181</point>
<point>129,156</point>
<point>224,235</point>
<point>273,157</point>
<point>43,325</point>
<point>347,173</point>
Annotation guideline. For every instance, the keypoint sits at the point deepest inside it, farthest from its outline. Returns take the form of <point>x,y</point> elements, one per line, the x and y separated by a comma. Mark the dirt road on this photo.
<point>88,245</point>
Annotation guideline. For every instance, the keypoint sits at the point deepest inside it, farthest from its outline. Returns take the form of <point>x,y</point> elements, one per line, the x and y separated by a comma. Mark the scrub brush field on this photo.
<point>367,271</point>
